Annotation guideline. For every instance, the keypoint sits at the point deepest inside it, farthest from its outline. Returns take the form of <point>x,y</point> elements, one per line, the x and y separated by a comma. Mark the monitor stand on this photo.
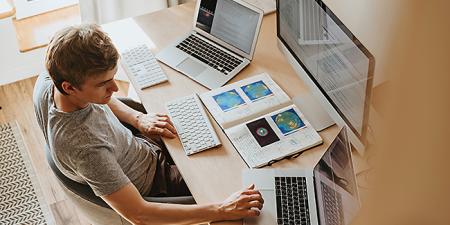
<point>313,111</point>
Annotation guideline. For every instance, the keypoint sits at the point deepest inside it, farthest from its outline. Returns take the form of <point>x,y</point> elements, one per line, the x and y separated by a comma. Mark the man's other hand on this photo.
<point>156,124</point>
<point>245,203</point>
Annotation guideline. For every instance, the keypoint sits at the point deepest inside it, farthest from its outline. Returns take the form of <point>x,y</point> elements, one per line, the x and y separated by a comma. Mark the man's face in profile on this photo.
<point>98,89</point>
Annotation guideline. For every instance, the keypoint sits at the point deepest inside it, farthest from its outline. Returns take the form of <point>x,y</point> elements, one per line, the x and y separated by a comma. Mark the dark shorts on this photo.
<point>168,181</point>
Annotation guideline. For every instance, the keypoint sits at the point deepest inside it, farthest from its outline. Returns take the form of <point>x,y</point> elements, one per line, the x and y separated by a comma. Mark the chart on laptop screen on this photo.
<point>229,21</point>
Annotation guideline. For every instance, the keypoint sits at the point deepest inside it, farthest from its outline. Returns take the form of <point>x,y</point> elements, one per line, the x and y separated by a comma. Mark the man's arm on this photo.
<point>128,202</point>
<point>150,124</point>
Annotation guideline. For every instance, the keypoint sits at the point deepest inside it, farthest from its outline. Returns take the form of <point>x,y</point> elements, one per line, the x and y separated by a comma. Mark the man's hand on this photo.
<point>244,203</point>
<point>128,202</point>
<point>155,124</point>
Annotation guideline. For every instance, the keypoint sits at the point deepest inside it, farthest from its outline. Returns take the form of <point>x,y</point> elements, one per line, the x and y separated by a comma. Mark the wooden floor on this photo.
<point>16,104</point>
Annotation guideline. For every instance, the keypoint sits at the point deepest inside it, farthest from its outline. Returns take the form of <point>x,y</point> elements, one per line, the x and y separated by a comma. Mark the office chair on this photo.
<point>92,206</point>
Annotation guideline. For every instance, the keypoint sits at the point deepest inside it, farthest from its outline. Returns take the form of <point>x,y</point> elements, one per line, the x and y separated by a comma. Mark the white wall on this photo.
<point>13,64</point>
<point>372,22</point>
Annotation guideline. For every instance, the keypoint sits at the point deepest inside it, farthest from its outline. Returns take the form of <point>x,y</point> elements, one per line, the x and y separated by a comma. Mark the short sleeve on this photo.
<point>41,96</point>
<point>99,168</point>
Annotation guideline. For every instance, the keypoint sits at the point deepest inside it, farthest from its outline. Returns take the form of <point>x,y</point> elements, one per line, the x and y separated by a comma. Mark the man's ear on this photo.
<point>68,87</point>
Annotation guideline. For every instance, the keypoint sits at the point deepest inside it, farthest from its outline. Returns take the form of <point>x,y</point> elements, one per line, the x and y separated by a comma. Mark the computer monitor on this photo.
<point>331,61</point>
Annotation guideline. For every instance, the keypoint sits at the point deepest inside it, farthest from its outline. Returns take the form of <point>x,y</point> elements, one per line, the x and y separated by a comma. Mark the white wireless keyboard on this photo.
<point>140,63</point>
<point>193,126</point>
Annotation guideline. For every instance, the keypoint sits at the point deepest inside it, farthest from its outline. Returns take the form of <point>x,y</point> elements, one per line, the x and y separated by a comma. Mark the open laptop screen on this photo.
<point>229,21</point>
<point>335,184</point>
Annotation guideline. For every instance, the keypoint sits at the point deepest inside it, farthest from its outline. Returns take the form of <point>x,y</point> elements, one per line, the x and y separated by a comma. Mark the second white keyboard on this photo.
<point>142,65</point>
<point>193,126</point>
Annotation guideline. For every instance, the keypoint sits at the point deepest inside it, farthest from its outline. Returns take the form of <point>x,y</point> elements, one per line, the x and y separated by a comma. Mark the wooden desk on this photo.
<point>36,31</point>
<point>214,174</point>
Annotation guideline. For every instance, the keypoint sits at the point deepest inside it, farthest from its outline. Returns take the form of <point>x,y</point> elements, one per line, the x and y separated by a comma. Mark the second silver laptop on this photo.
<point>221,44</point>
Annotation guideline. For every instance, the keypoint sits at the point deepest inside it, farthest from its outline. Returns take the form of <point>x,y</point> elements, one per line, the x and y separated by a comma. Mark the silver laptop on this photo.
<point>220,45</point>
<point>325,195</point>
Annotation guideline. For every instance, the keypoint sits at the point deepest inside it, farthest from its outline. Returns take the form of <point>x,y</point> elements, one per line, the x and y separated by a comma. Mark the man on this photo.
<point>81,122</point>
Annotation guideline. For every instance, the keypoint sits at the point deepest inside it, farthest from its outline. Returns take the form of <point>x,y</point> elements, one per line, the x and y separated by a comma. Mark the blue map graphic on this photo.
<point>288,121</point>
<point>256,90</point>
<point>229,100</point>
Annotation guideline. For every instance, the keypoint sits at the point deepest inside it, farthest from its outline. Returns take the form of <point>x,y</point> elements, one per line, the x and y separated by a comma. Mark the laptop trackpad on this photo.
<point>191,67</point>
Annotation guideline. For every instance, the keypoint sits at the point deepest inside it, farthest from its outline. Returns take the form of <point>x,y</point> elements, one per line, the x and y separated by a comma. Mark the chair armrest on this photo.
<point>185,200</point>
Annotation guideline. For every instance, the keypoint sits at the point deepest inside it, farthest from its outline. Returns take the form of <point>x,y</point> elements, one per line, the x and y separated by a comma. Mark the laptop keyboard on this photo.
<point>209,54</point>
<point>292,201</point>
<point>332,202</point>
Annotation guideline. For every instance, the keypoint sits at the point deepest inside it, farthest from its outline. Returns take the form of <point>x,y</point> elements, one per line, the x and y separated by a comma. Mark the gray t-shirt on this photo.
<point>92,146</point>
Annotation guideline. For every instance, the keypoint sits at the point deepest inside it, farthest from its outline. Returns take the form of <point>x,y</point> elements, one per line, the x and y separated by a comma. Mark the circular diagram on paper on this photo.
<point>262,131</point>
<point>288,121</point>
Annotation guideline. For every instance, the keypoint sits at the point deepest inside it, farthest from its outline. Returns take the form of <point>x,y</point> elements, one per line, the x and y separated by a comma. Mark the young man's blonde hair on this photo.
<point>78,52</point>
